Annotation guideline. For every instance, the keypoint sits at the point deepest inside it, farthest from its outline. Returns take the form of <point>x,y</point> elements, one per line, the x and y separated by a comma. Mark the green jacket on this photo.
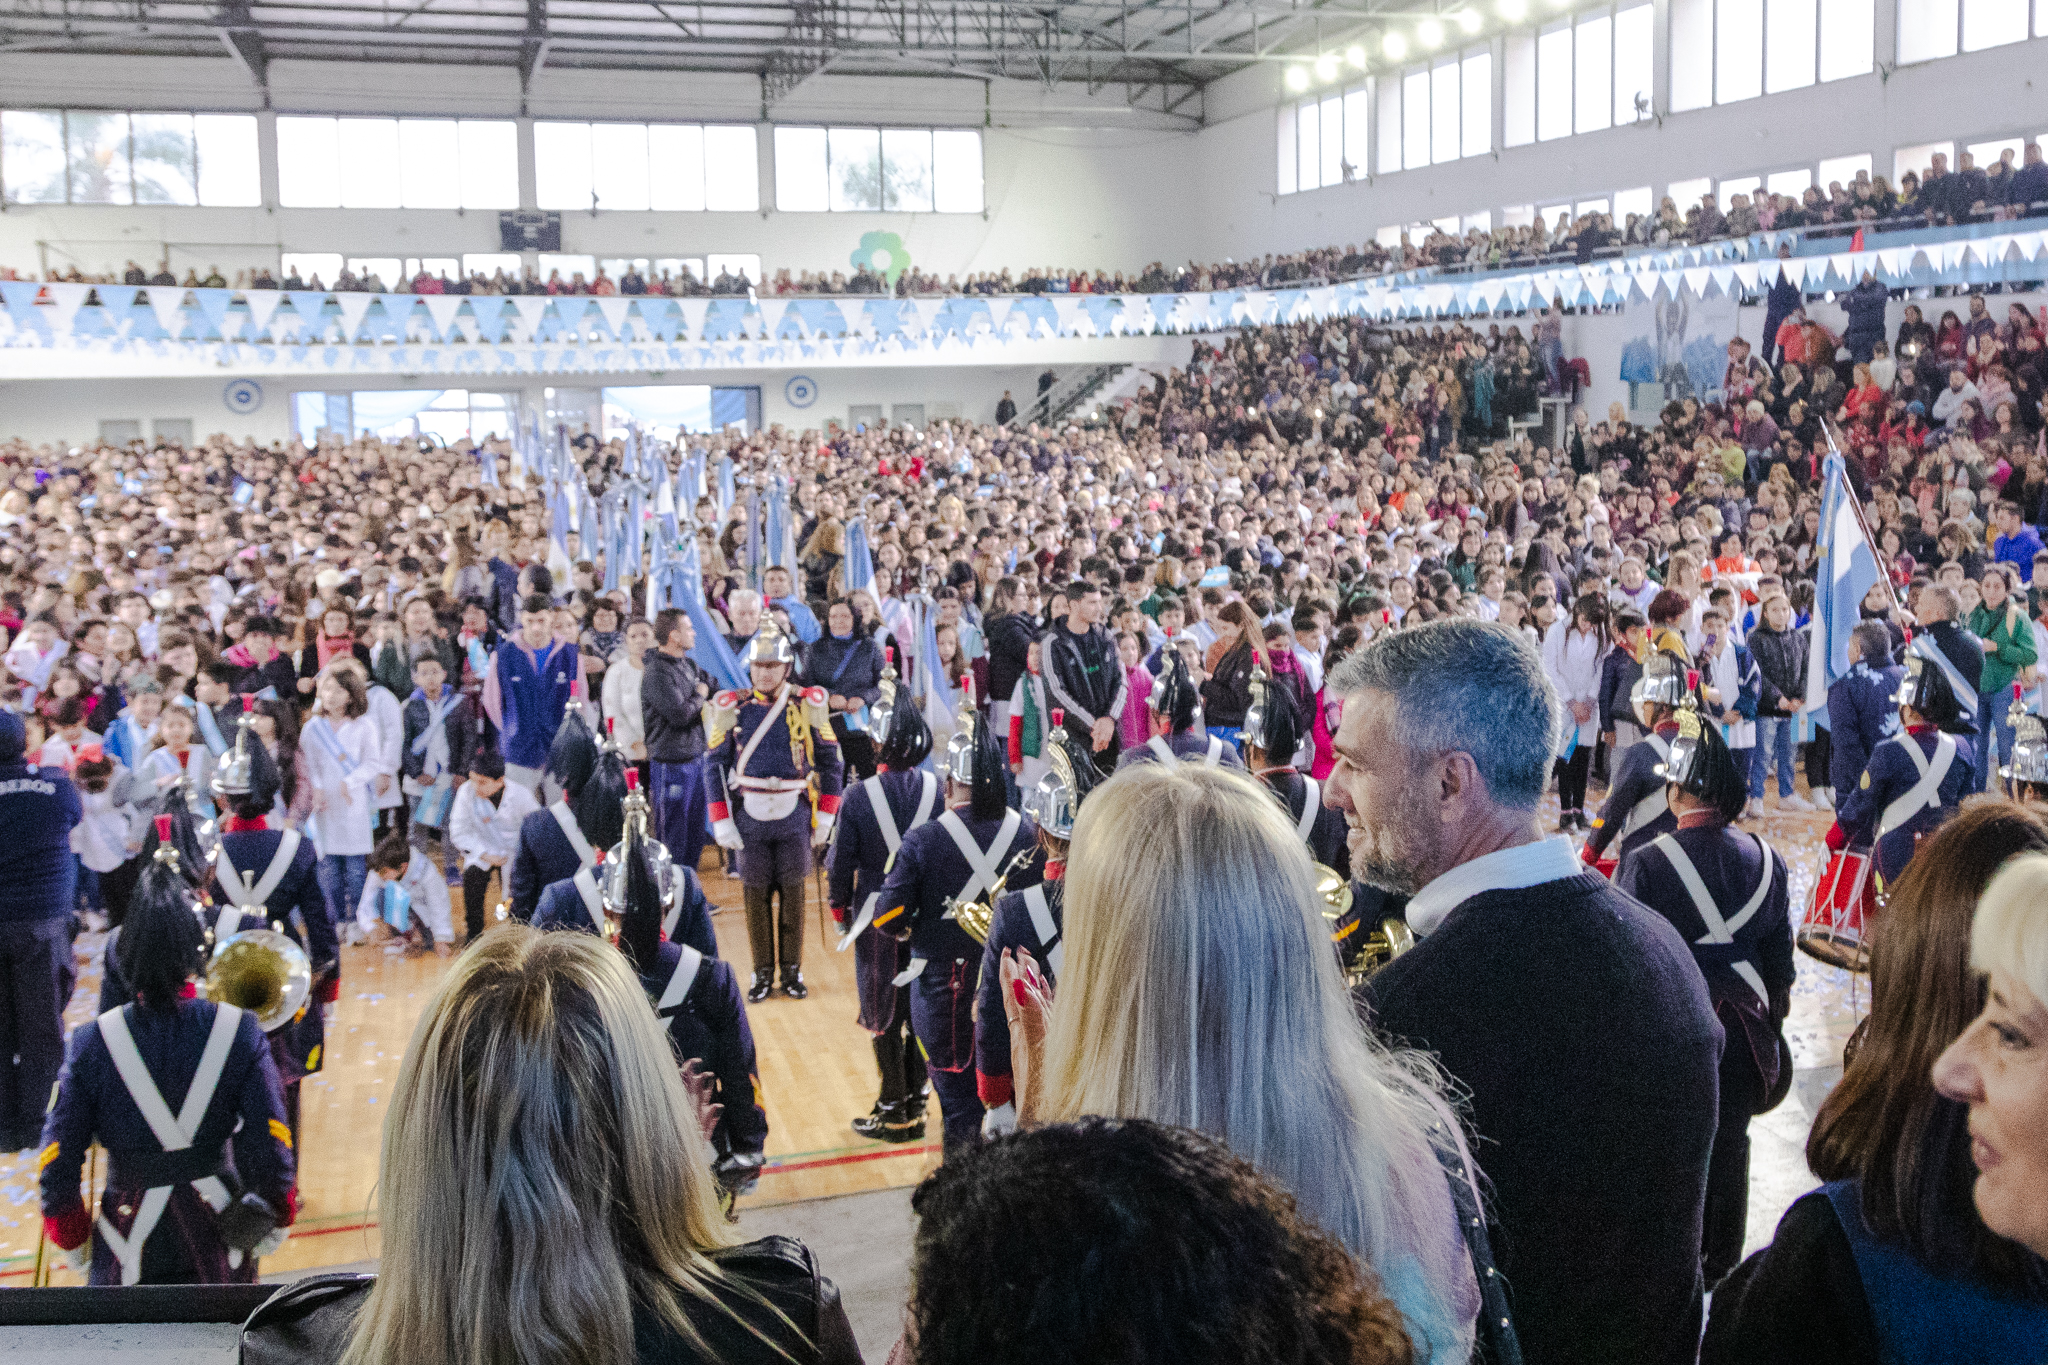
<point>2010,630</point>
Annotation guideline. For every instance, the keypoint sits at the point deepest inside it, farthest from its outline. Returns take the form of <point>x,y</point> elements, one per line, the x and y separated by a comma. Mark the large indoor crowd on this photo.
<point>2012,187</point>
<point>1308,629</point>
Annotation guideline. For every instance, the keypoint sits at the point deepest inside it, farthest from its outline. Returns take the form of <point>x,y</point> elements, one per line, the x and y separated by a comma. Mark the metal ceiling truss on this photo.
<point>1160,53</point>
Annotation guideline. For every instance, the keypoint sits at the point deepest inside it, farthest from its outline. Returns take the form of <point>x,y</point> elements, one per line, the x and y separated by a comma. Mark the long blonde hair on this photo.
<point>1200,989</point>
<point>543,1169</point>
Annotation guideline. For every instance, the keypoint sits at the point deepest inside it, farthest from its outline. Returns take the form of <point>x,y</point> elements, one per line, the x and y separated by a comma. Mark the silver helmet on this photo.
<point>770,645</point>
<point>235,774</point>
<point>1056,800</point>
<point>668,881</point>
<point>2029,751</point>
<point>969,751</point>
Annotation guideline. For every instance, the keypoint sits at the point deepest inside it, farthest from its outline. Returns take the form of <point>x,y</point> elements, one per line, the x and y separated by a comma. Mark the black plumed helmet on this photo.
<point>573,755</point>
<point>162,942</point>
<point>184,837</point>
<point>1701,763</point>
<point>599,807</point>
<point>1926,689</point>
<point>908,741</point>
<point>640,925</point>
<point>991,793</point>
<point>1279,730</point>
<point>1174,695</point>
<point>263,784</point>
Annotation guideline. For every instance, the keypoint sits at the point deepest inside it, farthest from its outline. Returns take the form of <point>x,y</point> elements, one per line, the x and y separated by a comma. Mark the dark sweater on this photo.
<point>38,874</point>
<point>1799,1301</point>
<point>1580,1025</point>
<point>671,708</point>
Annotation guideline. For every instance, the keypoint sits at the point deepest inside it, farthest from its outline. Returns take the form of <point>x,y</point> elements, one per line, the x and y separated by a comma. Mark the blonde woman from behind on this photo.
<point>1199,989</point>
<point>547,1192</point>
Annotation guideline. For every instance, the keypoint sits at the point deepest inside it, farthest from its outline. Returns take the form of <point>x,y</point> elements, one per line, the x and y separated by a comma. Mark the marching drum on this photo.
<point>1838,913</point>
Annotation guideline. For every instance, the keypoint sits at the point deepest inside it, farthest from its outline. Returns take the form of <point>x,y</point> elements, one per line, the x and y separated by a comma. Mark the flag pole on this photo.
<point>1884,571</point>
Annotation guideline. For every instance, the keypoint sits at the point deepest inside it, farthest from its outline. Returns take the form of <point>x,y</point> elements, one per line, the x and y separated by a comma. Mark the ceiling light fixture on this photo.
<point>1297,78</point>
<point>1326,66</point>
<point>1469,20</point>
<point>1430,32</point>
<point>1395,46</point>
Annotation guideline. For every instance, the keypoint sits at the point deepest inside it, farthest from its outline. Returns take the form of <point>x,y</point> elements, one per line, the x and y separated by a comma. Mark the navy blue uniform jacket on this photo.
<point>561,907</point>
<point>544,856</point>
<point>1191,746</point>
<point>1013,927</point>
<point>1890,774</point>
<point>859,865</point>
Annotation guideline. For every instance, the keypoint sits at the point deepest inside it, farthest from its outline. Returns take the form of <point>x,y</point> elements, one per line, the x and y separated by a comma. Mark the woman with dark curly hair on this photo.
<point>1127,1240</point>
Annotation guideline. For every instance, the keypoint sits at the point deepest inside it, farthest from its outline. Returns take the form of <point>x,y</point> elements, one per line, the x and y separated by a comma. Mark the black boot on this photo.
<point>763,987</point>
<point>891,1123</point>
<point>793,984</point>
<point>877,1120</point>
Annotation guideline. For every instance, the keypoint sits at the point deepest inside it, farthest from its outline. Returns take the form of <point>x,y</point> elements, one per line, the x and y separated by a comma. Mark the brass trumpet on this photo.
<point>1379,946</point>
<point>977,915</point>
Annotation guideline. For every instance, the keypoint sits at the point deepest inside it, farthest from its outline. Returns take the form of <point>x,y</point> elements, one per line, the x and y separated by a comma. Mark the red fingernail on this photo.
<point>1017,989</point>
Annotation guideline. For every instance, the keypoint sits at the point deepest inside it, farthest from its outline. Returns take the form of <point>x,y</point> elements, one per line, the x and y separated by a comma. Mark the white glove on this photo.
<point>822,834</point>
<point>726,833</point>
<point>79,1258</point>
<point>1000,1121</point>
<point>271,1244</point>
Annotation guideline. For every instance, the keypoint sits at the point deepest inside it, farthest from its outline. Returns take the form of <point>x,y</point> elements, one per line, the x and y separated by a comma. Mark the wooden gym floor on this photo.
<point>817,1075</point>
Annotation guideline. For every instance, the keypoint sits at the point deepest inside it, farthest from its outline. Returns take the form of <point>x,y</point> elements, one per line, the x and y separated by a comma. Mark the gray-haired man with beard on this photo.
<point>1576,1017</point>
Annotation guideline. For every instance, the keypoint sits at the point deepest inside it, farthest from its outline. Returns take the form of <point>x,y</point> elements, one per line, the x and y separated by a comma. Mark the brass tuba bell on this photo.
<point>264,972</point>
<point>979,914</point>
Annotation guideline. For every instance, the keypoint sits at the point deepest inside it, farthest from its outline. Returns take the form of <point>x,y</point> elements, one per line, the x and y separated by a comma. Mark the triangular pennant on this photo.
<point>262,307</point>
<point>213,306</point>
<point>613,310</point>
<point>694,311</point>
<point>168,304</point>
<point>530,308</point>
<point>310,306</point>
<point>490,315</point>
<point>442,308</point>
<point>354,307</point>
<point>66,300</point>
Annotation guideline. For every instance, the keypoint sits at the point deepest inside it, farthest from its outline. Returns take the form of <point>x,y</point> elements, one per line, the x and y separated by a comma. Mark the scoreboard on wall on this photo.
<point>523,231</point>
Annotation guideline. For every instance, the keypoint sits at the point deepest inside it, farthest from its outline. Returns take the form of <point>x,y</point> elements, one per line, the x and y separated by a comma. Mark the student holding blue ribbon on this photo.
<point>440,737</point>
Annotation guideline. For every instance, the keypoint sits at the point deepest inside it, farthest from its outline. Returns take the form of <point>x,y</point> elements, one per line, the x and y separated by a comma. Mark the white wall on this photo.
<point>68,411</point>
<point>1067,179</point>
<point>1967,99</point>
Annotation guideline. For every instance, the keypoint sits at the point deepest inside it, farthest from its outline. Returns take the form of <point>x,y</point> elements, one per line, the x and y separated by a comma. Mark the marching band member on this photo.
<point>1914,781</point>
<point>264,878</point>
<point>579,900</point>
<point>1727,894</point>
<point>562,839</point>
<point>1637,809</point>
<point>774,746</point>
<point>1031,919</point>
<point>195,1195</point>
<point>953,861</point>
<point>874,819</point>
<point>1272,734</point>
<point>1177,731</point>
<point>693,991</point>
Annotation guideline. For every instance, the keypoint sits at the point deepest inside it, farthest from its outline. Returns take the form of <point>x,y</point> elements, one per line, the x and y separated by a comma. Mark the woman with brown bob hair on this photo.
<point>1889,1259</point>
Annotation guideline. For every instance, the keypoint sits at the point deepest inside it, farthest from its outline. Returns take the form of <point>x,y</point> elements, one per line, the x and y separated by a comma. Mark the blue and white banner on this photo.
<point>1844,569</point>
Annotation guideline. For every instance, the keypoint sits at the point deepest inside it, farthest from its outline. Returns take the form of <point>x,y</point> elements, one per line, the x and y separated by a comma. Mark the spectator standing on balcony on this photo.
<point>1865,306</point>
<point>1006,409</point>
<point>2030,182</point>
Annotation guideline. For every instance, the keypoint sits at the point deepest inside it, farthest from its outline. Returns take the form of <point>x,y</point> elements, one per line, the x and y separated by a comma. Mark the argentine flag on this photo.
<point>1844,569</point>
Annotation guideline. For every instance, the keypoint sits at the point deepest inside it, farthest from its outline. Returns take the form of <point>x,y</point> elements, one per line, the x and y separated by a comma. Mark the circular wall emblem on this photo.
<point>243,395</point>
<point>801,390</point>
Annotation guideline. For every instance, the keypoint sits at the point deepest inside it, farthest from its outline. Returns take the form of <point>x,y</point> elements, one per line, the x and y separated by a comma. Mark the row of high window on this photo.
<point>1590,71</point>
<point>53,156</point>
